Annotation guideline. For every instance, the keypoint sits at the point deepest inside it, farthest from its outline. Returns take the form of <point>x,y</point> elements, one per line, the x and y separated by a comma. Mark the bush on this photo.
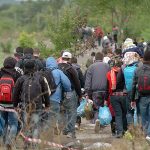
<point>26,40</point>
<point>45,51</point>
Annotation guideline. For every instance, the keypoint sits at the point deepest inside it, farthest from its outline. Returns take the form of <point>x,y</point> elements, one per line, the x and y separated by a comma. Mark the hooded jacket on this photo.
<point>80,74</point>
<point>60,78</point>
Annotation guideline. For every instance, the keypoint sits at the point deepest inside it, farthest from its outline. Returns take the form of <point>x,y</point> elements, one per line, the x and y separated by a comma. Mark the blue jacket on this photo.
<point>60,78</point>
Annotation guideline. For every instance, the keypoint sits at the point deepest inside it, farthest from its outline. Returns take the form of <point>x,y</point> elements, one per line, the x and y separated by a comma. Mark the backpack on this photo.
<point>32,90</point>
<point>6,89</point>
<point>129,75</point>
<point>47,73</point>
<point>64,67</point>
<point>144,81</point>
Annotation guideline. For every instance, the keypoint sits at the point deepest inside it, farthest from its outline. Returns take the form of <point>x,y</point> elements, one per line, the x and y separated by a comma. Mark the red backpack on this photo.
<point>6,88</point>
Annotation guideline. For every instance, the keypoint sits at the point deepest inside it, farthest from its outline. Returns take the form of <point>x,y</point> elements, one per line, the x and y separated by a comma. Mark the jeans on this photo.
<point>70,106</point>
<point>119,106</point>
<point>99,40</point>
<point>33,128</point>
<point>130,111</point>
<point>98,100</point>
<point>8,126</point>
<point>145,113</point>
<point>55,113</point>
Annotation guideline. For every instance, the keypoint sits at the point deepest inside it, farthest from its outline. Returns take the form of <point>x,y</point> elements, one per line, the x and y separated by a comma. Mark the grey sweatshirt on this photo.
<point>96,77</point>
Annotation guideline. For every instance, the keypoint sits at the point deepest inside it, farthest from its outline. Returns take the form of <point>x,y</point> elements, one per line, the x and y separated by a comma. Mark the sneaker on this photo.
<point>113,134</point>
<point>120,135</point>
<point>97,126</point>
<point>8,147</point>
<point>71,135</point>
<point>148,138</point>
<point>76,127</point>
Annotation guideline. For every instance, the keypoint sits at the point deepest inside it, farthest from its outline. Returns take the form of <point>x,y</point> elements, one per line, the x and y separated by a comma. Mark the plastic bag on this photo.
<point>89,109</point>
<point>81,108</point>
<point>104,115</point>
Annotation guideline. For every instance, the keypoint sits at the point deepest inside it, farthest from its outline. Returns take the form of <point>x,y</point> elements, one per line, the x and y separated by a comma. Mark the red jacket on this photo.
<point>110,93</point>
<point>98,32</point>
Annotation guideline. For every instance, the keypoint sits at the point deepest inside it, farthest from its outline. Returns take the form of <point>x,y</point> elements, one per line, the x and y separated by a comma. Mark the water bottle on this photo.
<point>135,116</point>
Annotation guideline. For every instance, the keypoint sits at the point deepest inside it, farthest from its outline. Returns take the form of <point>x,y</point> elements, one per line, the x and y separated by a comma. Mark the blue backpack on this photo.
<point>129,75</point>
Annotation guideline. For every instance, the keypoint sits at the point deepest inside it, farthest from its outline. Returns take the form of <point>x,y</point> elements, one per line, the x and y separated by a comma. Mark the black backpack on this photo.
<point>64,67</point>
<point>144,81</point>
<point>32,91</point>
<point>47,73</point>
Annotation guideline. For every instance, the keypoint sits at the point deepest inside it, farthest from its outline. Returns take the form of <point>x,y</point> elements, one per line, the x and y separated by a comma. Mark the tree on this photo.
<point>65,34</point>
<point>26,40</point>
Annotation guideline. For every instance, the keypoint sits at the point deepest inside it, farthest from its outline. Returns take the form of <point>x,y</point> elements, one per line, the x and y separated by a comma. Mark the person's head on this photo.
<point>19,50</point>
<point>36,52</point>
<point>66,56</point>
<point>19,53</point>
<point>74,60</point>
<point>147,53</point>
<point>99,56</point>
<point>109,53</point>
<point>93,54</point>
<point>29,66</point>
<point>28,50</point>
<point>118,51</point>
<point>9,63</point>
<point>116,62</point>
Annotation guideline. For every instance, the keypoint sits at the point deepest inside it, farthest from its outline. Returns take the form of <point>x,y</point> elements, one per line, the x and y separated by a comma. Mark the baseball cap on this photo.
<point>67,55</point>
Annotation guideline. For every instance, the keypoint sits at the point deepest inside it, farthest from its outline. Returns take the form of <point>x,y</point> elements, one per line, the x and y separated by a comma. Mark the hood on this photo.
<point>130,57</point>
<point>51,63</point>
<point>76,66</point>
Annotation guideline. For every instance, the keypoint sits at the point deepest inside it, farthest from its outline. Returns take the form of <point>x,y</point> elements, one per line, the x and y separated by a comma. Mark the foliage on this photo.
<point>123,13</point>
<point>64,34</point>
<point>6,46</point>
<point>45,51</point>
<point>26,40</point>
<point>61,19</point>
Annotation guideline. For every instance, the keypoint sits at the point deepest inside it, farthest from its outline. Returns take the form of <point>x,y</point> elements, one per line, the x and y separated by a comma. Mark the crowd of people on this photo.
<point>45,93</point>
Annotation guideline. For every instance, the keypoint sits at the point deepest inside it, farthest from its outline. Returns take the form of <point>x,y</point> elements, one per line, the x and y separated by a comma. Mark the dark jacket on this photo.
<point>96,77</point>
<point>80,74</point>
<point>120,82</point>
<point>10,72</point>
<point>43,98</point>
<point>71,73</point>
<point>138,72</point>
<point>20,63</point>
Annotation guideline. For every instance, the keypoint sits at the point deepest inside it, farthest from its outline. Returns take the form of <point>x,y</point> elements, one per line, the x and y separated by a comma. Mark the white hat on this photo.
<point>106,60</point>
<point>128,44</point>
<point>67,55</point>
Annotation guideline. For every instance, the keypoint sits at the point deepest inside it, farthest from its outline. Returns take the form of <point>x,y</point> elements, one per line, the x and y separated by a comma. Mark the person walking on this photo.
<point>96,83</point>
<point>8,120</point>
